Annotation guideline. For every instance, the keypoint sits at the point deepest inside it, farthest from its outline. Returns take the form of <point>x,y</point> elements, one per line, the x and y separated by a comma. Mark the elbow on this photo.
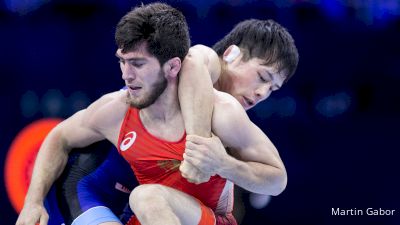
<point>189,63</point>
<point>57,137</point>
<point>193,59</point>
<point>280,183</point>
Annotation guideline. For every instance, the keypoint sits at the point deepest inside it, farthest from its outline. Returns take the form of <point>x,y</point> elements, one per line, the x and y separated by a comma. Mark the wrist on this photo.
<point>227,167</point>
<point>34,199</point>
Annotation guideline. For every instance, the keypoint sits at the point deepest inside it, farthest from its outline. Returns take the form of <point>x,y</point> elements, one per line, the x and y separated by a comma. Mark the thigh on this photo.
<point>188,209</point>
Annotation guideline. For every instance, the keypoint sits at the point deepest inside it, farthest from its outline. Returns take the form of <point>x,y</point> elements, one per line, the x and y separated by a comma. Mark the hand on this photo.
<point>33,213</point>
<point>192,174</point>
<point>206,154</point>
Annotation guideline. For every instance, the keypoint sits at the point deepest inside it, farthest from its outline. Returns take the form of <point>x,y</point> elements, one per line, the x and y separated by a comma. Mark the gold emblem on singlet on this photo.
<point>169,165</point>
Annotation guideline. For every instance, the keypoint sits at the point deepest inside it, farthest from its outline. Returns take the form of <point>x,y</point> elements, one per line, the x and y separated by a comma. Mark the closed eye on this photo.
<point>137,63</point>
<point>262,78</point>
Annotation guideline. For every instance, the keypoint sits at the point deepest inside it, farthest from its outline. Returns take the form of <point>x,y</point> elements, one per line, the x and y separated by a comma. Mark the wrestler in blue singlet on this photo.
<point>94,188</point>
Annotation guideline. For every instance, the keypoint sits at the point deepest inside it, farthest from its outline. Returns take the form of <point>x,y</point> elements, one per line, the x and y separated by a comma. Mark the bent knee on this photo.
<point>147,195</point>
<point>146,191</point>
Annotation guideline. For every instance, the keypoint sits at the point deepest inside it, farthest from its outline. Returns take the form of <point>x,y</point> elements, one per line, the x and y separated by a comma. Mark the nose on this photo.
<point>262,92</point>
<point>128,72</point>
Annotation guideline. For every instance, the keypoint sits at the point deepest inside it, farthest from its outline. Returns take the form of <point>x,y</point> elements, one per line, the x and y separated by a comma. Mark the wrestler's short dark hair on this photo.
<point>162,27</point>
<point>265,39</point>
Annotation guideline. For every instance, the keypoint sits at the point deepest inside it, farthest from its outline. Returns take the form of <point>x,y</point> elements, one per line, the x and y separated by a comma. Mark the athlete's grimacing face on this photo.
<point>252,81</point>
<point>143,76</point>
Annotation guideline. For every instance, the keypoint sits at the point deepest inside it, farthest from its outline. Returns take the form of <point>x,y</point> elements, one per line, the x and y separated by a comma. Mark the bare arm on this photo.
<point>74,132</point>
<point>199,70</point>
<point>255,164</point>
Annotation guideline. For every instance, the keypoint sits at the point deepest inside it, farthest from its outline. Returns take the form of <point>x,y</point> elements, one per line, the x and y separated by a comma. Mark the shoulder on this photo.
<point>226,102</point>
<point>106,101</point>
<point>107,111</point>
<point>228,113</point>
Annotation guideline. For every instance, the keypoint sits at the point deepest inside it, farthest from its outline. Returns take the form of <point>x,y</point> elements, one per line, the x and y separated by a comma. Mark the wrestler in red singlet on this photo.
<point>157,161</point>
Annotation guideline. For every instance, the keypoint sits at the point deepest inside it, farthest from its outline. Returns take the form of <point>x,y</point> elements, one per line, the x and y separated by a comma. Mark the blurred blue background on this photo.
<point>336,123</point>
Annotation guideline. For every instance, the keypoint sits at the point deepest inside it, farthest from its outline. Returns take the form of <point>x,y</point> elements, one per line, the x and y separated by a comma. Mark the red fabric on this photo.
<point>207,218</point>
<point>228,219</point>
<point>207,215</point>
<point>156,161</point>
<point>133,221</point>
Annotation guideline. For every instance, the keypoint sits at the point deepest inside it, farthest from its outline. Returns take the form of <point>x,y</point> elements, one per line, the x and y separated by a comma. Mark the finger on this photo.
<point>196,158</point>
<point>193,153</point>
<point>196,139</point>
<point>44,219</point>
<point>194,161</point>
<point>196,146</point>
<point>184,174</point>
<point>193,181</point>
<point>185,167</point>
<point>187,162</point>
<point>188,171</point>
<point>199,181</point>
<point>203,177</point>
<point>190,178</point>
<point>198,178</point>
<point>191,145</point>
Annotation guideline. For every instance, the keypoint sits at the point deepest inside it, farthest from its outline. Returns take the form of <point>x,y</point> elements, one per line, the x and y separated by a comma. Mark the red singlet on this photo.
<point>157,161</point>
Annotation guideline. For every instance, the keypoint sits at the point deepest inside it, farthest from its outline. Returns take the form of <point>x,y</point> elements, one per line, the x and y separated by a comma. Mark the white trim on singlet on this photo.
<point>225,202</point>
<point>96,215</point>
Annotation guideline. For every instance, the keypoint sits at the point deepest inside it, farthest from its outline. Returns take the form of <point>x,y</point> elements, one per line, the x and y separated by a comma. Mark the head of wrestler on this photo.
<point>152,41</point>
<point>258,57</point>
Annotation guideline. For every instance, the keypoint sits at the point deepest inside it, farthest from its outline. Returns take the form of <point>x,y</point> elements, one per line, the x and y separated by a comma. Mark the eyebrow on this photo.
<point>131,58</point>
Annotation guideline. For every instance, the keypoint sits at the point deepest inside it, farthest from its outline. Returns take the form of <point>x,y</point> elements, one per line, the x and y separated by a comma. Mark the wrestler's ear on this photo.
<point>231,53</point>
<point>173,67</point>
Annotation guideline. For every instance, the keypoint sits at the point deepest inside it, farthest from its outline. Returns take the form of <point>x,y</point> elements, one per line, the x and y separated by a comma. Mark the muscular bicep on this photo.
<point>254,145</point>
<point>97,122</point>
<point>77,131</point>
<point>245,140</point>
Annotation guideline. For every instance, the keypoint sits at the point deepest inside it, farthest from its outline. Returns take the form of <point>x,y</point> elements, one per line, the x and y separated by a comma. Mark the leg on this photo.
<point>94,167</point>
<point>160,205</point>
<point>110,223</point>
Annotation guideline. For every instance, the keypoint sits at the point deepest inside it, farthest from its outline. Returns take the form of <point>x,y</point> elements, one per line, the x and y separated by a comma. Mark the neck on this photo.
<point>223,81</point>
<point>166,108</point>
<point>163,118</point>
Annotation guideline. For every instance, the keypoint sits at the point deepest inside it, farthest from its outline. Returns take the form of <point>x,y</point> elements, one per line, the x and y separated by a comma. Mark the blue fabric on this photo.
<point>96,215</point>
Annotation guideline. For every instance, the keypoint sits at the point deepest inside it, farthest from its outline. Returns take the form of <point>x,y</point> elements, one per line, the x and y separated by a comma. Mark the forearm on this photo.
<point>196,97</point>
<point>253,176</point>
<point>49,164</point>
